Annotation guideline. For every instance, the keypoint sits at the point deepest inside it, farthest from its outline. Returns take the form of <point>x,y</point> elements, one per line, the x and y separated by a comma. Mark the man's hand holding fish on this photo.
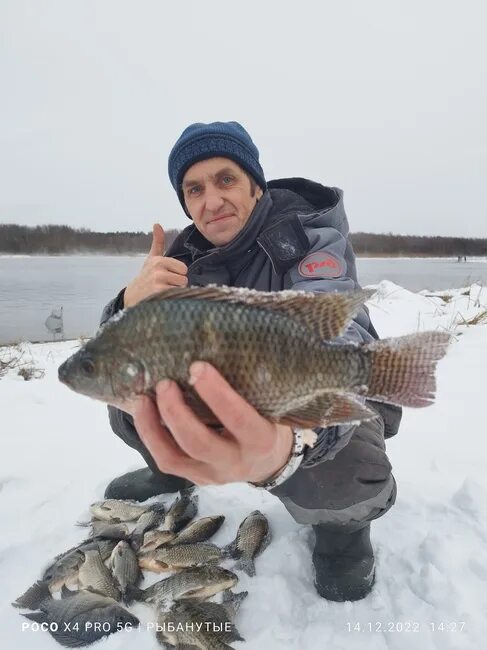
<point>250,448</point>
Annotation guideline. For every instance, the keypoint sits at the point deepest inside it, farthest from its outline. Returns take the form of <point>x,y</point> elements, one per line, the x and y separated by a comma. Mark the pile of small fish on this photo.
<point>106,570</point>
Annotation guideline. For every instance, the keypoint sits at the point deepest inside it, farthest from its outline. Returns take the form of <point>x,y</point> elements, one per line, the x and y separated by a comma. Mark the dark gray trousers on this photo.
<point>345,492</point>
<point>350,490</point>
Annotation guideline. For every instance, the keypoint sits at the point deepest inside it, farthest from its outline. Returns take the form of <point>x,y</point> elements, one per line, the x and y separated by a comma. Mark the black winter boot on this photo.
<point>344,563</point>
<point>143,484</point>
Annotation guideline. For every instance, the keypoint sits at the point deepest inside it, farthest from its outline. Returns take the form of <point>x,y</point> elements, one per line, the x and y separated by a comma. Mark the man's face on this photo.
<point>218,196</point>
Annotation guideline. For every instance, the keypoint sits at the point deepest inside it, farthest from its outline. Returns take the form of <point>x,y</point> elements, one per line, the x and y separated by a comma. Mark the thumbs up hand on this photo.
<point>158,272</point>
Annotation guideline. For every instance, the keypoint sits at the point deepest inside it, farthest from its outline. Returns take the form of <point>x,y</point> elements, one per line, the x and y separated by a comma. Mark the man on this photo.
<point>285,234</point>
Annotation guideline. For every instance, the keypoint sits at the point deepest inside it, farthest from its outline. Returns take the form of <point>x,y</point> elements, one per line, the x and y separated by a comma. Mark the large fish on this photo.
<point>275,349</point>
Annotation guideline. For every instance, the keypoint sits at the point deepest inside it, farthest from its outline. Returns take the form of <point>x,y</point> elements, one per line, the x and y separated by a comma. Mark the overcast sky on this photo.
<point>386,99</point>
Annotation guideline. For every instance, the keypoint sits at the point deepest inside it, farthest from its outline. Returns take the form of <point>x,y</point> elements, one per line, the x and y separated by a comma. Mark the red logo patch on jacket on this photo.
<point>321,265</point>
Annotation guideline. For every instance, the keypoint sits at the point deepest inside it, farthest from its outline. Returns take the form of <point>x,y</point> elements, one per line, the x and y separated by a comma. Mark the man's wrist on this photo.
<point>281,455</point>
<point>293,462</point>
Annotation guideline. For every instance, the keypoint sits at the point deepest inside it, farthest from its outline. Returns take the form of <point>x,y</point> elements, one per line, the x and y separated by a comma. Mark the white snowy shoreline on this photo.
<point>59,453</point>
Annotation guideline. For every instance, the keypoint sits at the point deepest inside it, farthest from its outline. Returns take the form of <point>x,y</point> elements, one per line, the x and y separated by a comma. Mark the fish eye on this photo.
<point>87,366</point>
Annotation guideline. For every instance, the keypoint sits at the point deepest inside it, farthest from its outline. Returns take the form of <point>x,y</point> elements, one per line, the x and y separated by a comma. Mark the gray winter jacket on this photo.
<point>296,238</point>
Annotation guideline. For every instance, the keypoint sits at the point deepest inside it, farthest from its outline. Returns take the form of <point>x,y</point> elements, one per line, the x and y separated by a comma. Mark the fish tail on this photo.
<point>403,369</point>
<point>37,617</point>
<point>246,564</point>
<point>34,596</point>
<point>232,600</point>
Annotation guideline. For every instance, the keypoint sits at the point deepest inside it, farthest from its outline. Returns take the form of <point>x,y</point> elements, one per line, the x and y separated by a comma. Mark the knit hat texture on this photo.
<point>200,141</point>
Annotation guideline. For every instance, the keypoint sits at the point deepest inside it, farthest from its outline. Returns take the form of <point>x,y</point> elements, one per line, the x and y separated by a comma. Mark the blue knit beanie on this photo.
<point>201,141</point>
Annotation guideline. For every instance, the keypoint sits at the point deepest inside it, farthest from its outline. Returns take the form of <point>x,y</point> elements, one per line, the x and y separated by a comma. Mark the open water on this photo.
<point>32,286</point>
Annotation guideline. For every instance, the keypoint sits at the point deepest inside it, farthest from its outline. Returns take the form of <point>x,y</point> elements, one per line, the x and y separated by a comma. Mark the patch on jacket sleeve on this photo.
<point>321,265</point>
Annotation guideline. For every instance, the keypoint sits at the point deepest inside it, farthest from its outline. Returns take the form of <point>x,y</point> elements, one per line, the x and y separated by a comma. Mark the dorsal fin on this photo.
<point>327,314</point>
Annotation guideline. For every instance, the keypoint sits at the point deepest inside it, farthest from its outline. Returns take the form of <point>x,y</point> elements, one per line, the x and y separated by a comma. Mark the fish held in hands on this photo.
<point>275,349</point>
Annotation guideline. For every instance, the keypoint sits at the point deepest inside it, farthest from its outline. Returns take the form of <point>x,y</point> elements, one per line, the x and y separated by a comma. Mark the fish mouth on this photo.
<point>63,373</point>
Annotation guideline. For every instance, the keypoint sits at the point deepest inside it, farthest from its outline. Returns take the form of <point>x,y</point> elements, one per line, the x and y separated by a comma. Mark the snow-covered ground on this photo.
<point>58,453</point>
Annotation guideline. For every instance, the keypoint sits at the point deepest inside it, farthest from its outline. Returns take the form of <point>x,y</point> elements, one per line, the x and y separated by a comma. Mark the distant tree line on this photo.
<point>411,245</point>
<point>63,240</point>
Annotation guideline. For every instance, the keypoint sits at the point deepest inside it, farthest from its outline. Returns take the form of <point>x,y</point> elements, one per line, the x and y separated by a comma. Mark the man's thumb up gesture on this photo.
<point>158,272</point>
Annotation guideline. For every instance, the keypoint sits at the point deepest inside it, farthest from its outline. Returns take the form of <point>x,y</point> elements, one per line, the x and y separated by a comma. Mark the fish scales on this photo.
<point>183,555</point>
<point>267,350</point>
<point>186,625</point>
<point>199,530</point>
<point>94,575</point>
<point>190,584</point>
<point>252,539</point>
<point>124,566</point>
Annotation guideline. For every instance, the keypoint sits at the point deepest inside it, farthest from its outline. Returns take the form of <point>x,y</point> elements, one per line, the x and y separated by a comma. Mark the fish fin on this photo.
<point>231,550</point>
<point>67,593</point>
<point>34,596</point>
<point>136,541</point>
<point>38,617</point>
<point>247,565</point>
<point>328,409</point>
<point>403,369</point>
<point>231,601</point>
<point>327,314</point>
<point>158,507</point>
<point>267,539</point>
<point>133,593</point>
<point>189,492</point>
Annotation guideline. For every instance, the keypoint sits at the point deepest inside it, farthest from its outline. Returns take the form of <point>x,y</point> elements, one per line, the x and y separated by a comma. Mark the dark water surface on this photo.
<point>31,287</point>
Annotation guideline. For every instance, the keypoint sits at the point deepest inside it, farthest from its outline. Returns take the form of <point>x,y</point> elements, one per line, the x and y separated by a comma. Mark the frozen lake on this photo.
<point>31,287</point>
